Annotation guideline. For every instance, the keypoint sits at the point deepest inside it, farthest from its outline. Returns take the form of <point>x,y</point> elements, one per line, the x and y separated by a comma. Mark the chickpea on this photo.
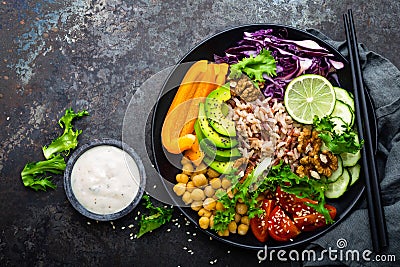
<point>225,183</point>
<point>241,208</point>
<point>204,213</point>
<point>245,220</point>
<point>187,169</point>
<point>219,206</point>
<point>212,173</point>
<point>196,205</point>
<point>223,233</point>
<point>260,197</point>
<point>185,160</point>
<point>190,187</point>
<point>198,194</point>
<point>199,180</point>
<point>230,193</point>
<point>201,169</point>
<point>182,178</point>
<point>211,221</point>
<point>187,198</point>
<point>215,183</point>
<point>209,204</point>
<point>204,222</point>
<point>232,227</point>
<point>242,229</point>
<point>238,217</point>
<point>179,189</point>
<point>209,191</point>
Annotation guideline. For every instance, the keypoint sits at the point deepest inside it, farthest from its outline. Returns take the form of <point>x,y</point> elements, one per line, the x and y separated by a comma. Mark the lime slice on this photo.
<point>309,95</point>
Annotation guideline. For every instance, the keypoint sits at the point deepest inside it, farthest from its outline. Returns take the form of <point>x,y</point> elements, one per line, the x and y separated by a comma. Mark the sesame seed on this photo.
<point>185,248</point>
<point>123,227</point>
<point>88,223</point>
<point>154,186</point>
<point>189,240</point>
<point>168,230</point>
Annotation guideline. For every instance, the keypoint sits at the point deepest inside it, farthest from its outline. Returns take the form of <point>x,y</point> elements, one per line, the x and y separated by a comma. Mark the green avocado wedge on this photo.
<point>210,149</point>
<point>219,140</point>
<point>219,166</point>
<point>214,105</point>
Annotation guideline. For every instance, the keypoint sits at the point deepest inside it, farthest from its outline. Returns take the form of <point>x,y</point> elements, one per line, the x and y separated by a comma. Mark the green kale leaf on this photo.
<point>255,67</point>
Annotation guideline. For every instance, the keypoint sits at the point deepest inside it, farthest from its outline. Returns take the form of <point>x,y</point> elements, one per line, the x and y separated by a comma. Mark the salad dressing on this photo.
<point>105,179</point>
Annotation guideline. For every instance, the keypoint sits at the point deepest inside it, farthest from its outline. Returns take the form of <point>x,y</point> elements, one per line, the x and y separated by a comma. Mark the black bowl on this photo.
<point>217,44</point>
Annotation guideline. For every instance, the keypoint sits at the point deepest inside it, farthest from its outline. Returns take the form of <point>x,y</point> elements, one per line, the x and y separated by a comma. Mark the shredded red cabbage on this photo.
<point>293,58</point>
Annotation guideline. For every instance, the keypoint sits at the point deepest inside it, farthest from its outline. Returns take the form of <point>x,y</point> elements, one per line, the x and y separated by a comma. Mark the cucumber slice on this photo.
<point>336,174</point>
<point>344,112</point>
<point>339,187</point>
<point>344,96</point>
<point>350,159</point>
<point>339,125</point>
<point>354,173</point>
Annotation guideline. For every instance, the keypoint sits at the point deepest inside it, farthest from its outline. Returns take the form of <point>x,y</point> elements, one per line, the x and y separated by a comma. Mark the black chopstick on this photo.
<point>375,209</point>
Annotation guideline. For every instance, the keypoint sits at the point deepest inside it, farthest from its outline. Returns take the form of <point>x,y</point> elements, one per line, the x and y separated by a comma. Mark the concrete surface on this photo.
<point>94,55</point>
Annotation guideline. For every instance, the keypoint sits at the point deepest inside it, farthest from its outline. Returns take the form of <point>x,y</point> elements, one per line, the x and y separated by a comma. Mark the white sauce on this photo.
<point>105,179</point>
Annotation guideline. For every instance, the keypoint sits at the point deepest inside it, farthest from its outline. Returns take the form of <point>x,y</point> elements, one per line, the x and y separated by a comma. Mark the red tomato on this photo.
<point>280,226</point>
<point>306,221</point>
<point>259,224</point>
<point>305,217</point>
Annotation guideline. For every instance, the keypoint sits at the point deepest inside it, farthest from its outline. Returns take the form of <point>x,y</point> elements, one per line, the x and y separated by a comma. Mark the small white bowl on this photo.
<point>74,193</point>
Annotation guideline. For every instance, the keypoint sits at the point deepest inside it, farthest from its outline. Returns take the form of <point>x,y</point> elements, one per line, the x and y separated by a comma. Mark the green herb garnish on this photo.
<point>156,217</point>
<point>346,142</point>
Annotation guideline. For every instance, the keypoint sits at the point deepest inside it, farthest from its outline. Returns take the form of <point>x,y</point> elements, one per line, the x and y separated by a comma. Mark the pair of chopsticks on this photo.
<point>375,209</point>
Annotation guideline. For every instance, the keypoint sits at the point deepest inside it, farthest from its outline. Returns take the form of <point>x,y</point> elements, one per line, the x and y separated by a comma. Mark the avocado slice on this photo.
<point>220,141</point>
<point>219,166</point>
<point>215,109</point>
<point>210,149</point>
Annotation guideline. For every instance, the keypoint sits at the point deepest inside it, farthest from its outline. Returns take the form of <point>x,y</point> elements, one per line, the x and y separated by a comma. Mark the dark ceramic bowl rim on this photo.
<point>212,234</point>
<point>68,187</point>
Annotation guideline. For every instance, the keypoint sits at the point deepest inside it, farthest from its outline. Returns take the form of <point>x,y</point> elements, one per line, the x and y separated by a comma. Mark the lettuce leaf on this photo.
<point>69,139</point>
<point>33,173</point>
<point>255,67</point>
<point>157,216</point>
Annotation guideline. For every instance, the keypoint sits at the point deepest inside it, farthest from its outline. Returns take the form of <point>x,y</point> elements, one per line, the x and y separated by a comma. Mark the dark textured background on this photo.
<point>94,55</point>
